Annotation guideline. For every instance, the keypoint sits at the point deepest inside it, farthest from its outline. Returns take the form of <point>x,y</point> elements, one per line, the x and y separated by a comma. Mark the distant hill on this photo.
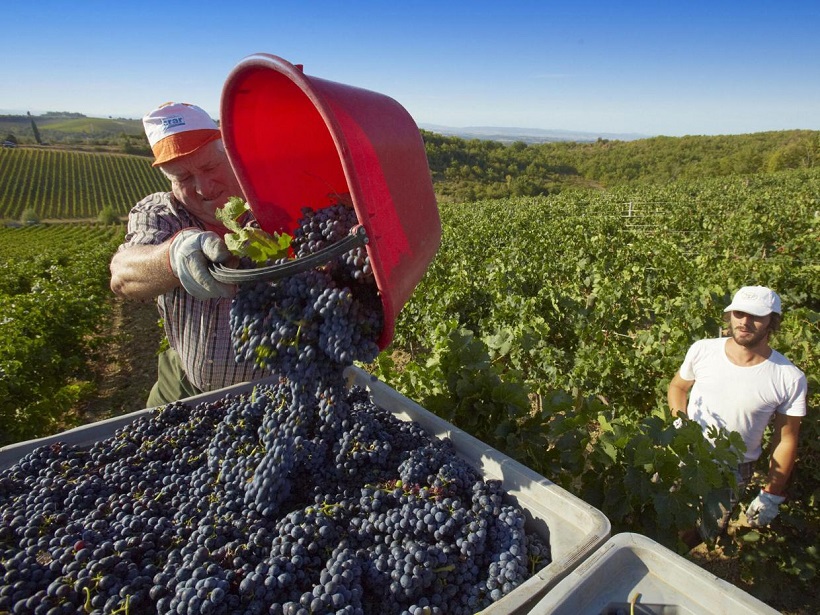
<point>472,169</point>
<point>92,125</point>
<point>70,123</point>
<point>527,135</point>
<point>77,131</point>
<point>63,127</point>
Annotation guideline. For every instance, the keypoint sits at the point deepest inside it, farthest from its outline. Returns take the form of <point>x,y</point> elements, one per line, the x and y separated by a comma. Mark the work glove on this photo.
<point>190,253</point>
<point>764,508</point>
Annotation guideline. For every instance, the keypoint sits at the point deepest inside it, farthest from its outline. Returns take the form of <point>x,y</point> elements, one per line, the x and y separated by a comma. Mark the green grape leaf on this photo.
<point>248,240</point>
<point>229,214</point>
<point>752,536</point>
<point>261,246</point>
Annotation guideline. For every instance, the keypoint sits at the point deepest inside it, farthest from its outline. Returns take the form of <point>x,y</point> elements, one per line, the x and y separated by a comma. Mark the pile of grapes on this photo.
<point>297,497</point>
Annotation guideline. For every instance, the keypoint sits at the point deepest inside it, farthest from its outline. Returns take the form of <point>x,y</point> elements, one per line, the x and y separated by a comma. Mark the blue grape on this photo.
<point>296,496</point>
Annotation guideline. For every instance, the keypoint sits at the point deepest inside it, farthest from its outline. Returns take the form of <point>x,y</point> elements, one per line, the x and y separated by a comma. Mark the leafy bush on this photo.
<point>107,215</point>
<point>29,216</point>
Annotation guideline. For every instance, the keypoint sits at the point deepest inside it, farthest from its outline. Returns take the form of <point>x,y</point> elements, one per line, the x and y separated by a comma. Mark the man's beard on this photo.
<point>749,339</point>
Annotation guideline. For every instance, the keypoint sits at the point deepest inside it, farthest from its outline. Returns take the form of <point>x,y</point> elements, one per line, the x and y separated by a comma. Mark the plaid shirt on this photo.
<point>199,330</point>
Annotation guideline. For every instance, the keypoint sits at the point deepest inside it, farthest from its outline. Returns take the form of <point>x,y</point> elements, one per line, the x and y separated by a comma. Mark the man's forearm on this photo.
<point>677,401</point>
<point>677,394</point>
<point>785,439</point>
<point>781,466</point>
<point>142,272</point>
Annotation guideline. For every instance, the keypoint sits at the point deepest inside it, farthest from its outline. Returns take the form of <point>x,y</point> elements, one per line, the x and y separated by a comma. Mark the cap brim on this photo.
<point>182,144</point>
<point>754,310</point>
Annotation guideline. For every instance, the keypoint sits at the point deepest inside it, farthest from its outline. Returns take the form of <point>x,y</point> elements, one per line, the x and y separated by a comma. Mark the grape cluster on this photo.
<point>324,317</point>
<point>157,518</point>
<point>321,228</point>
<point>298,497</point>
<point>306,327</point>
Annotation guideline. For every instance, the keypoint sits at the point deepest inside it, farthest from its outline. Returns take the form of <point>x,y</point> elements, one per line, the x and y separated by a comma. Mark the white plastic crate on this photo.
<point>573,528</point>
<point>634,567</point>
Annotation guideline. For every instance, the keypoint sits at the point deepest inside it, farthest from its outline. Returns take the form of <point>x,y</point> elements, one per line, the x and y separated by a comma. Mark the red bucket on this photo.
<point>299,141</point>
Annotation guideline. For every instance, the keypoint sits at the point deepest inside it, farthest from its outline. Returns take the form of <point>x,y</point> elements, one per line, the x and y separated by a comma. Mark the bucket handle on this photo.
<point>228,275</point>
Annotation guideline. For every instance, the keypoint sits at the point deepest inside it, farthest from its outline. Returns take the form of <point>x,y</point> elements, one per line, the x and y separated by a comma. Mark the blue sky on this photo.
<point>650,68</point>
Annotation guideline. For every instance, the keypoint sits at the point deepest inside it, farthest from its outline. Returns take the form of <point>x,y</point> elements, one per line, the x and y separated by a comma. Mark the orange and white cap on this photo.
<point>178,129</point>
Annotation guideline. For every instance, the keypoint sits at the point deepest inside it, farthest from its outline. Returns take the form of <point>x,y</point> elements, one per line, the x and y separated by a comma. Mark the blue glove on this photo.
<point>190,253</point>
<point>764,508</point>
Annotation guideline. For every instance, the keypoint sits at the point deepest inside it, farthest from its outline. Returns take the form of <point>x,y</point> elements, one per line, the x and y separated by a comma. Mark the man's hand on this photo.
<point>764,508</point>
<point>190,253</point>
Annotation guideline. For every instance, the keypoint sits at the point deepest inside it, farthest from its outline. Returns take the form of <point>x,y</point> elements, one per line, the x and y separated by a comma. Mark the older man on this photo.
<point>172,239</point>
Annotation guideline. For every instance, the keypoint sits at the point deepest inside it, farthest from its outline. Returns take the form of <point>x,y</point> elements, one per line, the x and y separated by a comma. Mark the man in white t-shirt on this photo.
<point>739,383</point>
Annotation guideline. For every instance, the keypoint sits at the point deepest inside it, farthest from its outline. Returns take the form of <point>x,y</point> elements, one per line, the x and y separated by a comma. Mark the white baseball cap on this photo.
<point>755,300</point>
<point>178,129</point>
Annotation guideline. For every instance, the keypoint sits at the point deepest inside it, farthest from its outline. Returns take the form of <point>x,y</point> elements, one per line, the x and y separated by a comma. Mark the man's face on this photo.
<point>203,181</point>
<point>748,330</point>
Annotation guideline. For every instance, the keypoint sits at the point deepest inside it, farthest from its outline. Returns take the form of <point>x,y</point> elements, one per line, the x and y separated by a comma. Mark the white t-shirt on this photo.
<point>741,399</point>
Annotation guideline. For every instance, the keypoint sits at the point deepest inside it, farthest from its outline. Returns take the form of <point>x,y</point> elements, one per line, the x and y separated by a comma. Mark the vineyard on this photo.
<point>53,296</point>
<point>551,327</point>
<point>60,185</point>
<point>548,327</point>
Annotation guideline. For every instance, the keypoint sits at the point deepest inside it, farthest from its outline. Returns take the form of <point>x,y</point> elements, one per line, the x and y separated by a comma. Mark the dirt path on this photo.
<point>124,361</point>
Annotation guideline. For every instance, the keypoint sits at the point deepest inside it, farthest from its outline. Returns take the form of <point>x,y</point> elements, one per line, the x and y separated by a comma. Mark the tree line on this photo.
<point>468,170</point>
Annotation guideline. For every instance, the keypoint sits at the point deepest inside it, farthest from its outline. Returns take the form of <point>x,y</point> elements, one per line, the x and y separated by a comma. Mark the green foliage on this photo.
<point>35,130</point>
<point>247,240</point>
<point>654,478</point>
<point>53,294</point>
<point>647,475</point>
<point>604,292</point>
<point>29,216</point>
<point>468,170</point>
<point>786,552</point>
<point>107,215</point>
<point>460,383</point>
<point>136,146</point>
<point>586,302</point>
